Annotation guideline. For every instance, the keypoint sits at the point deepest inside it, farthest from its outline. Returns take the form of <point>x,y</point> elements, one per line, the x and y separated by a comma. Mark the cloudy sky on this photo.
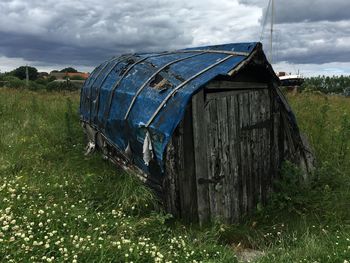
<point>312,36</point>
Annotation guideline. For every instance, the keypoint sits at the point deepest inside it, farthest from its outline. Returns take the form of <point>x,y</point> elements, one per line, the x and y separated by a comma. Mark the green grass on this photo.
<point>57,205</point>
<point>311,223</point>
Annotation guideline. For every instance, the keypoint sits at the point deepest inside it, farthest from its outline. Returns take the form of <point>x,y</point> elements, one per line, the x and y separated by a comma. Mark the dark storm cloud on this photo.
<point>36,48</point>
<point>312,10</point>
<point>85,32</point>
<point>314,31</point>
<point>88,32</point>
<point>313,42</point>
<point>33,48</point>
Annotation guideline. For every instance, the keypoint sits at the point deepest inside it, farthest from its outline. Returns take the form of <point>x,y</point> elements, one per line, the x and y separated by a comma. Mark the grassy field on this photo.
<point>57,205</point>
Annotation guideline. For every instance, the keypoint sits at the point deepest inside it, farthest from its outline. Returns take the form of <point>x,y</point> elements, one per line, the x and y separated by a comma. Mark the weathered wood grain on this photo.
<point>235,85</point>
<point>226,152</point>
<point>200,156</point>
<point>187,178</point>
<point>170,186</point>
<point>212,150</point>
<point>234,153</point>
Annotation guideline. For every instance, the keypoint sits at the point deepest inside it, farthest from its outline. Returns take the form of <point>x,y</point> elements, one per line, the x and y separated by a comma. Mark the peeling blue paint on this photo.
<point>97,91</point>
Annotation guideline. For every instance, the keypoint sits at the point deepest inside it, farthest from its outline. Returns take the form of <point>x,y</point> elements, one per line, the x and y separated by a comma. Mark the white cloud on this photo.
<point>8,64</point>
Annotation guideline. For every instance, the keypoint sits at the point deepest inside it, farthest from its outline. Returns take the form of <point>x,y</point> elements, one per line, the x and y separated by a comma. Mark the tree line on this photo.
<point>37,80</point>
<point>328,85</point>
<point>33,73</point>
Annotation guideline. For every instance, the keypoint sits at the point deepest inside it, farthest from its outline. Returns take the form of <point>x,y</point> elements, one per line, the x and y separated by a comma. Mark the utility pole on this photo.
<point>27,76</point>
<point>271,33</point>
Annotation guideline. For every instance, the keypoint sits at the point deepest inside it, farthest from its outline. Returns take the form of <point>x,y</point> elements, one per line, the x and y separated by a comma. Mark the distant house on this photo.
<point>65,75</point>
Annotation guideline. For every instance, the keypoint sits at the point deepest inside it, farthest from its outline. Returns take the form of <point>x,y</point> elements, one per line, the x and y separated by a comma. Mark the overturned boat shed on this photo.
<point>206,127</point>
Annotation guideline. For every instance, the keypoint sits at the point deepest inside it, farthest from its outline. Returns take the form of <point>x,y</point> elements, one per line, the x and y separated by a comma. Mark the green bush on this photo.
<point>51,78</point>
<point>33,85</point>
<point>41,81</point>
<point>54,86</point>
<point>62,85</point>
<point>290,190</point>
<point>13,82</point>
<point>9,78</point>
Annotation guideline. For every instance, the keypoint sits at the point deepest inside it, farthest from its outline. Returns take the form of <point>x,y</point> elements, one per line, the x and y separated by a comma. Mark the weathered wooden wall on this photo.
<point>179,186</point>
<point>224,156</point>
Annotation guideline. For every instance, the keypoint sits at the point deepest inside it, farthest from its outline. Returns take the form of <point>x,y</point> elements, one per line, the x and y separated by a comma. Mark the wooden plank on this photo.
<point>239,156</point>
<point>187,176</point>
<point>243,171</point>
<point>234,153</point>
<point>222,199</point>
<point>179,159</point>
<point>200,156</point>
<point>226,181</point>
<point>217,172</point>
<point>277,135</point>
<point>256,149</point>
<point>221,94</point>
<point>235,85</point>
<point>246,151</point>
<point>212,151</point>
<point>247,159</point>
<point>272,142</point>
<point>268,146</point>
<point>263,138</point>
<point>266,132</point>
<point>170,196</point>
<point>260,148</point>
<point>253,105</point>
<point>229,174</point>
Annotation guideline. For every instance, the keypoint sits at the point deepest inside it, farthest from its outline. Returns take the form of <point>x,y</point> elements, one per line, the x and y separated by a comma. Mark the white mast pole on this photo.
<point>271,33</point>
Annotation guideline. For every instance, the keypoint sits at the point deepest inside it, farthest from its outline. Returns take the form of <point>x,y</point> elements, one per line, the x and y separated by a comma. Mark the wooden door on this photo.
<point>233,144</point>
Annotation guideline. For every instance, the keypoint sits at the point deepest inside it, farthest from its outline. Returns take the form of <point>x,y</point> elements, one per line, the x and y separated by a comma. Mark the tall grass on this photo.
<point>318,228</point>
<point>58,205</point>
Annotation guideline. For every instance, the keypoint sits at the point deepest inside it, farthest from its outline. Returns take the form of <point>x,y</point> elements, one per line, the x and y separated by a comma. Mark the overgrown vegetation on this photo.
<point>57,205</point>
<point>310,222</point>
<point>21,73</point>
<point>69,70</point>
<point>325,84</point>
<point>40,81</point>
<point>48,84</point>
